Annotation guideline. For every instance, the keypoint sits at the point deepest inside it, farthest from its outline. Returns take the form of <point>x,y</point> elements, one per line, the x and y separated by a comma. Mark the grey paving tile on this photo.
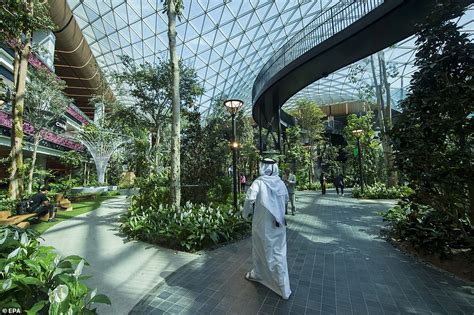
<point>356,274</point>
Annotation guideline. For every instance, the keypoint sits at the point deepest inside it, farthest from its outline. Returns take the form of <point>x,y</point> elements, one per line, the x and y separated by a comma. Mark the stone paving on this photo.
<point>337,262</point>
<point>123,270</point>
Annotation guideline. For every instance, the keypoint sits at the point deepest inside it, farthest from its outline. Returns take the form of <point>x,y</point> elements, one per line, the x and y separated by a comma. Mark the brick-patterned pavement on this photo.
<point>338,264</point>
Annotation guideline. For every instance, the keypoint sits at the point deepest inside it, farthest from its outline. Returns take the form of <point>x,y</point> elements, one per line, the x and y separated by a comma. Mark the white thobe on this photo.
<point>268,236</point>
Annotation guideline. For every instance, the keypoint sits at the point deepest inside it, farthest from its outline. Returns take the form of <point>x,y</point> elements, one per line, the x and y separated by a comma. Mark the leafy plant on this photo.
<point>36,279</point>
<point>381,191</point>
<point>426,228</point>
<point>434,135</point>
<point>7,204</point>
<point>64,185</point>
<point>151,218</point>
<point>194,228</point>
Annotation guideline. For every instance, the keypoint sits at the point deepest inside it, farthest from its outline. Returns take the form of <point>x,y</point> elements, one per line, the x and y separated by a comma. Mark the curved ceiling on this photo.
<point>226,41</point>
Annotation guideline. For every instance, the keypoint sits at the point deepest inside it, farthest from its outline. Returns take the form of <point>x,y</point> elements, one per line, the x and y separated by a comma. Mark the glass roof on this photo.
<point>226,41</point>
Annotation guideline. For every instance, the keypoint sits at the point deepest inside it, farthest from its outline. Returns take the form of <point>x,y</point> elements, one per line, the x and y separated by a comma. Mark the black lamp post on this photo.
<point>233,107</point>
<point>358,133</point>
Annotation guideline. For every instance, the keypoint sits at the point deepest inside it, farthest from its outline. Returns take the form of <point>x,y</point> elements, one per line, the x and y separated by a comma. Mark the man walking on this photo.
<point>265,203</point>
<point>290,181</point>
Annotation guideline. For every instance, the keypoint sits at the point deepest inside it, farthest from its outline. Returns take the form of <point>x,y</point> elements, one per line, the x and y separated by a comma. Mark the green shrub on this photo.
<point>110,193</point>
<point>37,280</point>
<point>313,186</point>
<point>427,229</point>
<point>195,228</point>
<point>82,196</point>
<point>220,191</point>
<point>64,185</point>
<point>7,204</point>
<point>380,191</point>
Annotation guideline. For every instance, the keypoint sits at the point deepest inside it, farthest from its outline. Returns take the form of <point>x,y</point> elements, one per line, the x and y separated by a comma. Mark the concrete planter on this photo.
<point>129,191</point>
<point>89,190</point>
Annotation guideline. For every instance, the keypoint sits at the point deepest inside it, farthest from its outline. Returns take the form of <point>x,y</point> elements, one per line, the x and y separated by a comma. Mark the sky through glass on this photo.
<point>227,42</point>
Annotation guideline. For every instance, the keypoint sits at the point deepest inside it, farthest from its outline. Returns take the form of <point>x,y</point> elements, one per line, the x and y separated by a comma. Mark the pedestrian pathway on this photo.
<point>337,262</point>
<point>125,271</point>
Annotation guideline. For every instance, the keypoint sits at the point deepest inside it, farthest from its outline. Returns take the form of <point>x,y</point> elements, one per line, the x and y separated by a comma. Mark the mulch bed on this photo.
<point>460,262</point>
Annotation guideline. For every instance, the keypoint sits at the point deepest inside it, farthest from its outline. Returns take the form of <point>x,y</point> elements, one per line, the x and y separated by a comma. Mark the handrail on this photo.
<point>322,27</point>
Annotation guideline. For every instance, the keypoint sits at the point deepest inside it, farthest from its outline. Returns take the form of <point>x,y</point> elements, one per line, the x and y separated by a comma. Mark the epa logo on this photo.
<point>11,310</point>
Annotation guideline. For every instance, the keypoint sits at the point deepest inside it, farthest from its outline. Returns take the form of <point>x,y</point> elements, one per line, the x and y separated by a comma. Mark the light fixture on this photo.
<point>235,145</point>
<point>233,105</point>
<point>357,132</point>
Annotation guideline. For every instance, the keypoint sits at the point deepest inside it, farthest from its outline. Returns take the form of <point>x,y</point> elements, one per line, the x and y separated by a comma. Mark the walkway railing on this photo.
<point>324,26</point>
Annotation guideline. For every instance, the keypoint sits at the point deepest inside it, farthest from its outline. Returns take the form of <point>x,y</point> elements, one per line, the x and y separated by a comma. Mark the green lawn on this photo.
<point>78,208</point>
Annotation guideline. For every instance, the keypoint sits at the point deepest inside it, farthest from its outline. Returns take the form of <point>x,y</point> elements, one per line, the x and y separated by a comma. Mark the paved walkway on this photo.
<point>125,271</point>
<point>338,264</point>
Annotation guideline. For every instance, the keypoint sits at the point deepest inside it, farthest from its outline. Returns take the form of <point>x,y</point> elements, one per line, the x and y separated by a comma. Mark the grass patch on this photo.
<point>78,208</point>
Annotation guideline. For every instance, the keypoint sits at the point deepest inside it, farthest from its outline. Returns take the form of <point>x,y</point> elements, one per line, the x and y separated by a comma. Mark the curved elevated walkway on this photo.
<point>334,40</point>
<point>337,262</point>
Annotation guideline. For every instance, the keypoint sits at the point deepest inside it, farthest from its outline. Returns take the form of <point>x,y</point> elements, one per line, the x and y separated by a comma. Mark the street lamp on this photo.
<point>358,133</point>
<point>233,107</point>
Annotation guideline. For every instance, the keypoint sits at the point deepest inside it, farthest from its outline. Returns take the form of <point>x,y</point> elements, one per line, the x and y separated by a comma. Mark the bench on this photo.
<point>63,203</point>
<point>6,218</point>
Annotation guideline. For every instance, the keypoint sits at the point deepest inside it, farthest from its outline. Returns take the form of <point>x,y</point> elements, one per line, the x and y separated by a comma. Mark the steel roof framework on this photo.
<point>227,42</point>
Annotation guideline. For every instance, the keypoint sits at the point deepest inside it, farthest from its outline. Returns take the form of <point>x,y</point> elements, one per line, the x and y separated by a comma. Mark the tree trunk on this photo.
<point>386,147</point>
<point>471,201</point>
<point>16,153</point>
<point>84,174</point>
<point>176,124</point>
<point>388,151</point>
<point>37,139</point>
<point>157,150</point>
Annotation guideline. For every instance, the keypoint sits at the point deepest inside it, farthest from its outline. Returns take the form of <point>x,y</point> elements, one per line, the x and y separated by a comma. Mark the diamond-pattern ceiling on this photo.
<point>226,41</point>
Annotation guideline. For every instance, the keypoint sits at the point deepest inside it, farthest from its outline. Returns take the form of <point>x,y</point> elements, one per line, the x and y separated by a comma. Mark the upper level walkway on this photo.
<point>342,35</point>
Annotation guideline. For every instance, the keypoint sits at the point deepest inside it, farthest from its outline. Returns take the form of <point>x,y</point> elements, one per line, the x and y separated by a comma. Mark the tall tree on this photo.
<point>369,147</point>
<point>434,135</point>
<point>152,89</point>
<point>18,21</point>
<point>173,9</point>
<point>378,90</point>
<point>310,119</point>
<point>45,102</point>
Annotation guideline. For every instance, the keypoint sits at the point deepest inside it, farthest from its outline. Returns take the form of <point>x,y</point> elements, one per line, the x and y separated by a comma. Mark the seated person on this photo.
<point>41,205</point>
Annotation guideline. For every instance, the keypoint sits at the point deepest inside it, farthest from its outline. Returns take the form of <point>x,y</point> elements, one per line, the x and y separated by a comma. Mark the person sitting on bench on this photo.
<point>41,205</point>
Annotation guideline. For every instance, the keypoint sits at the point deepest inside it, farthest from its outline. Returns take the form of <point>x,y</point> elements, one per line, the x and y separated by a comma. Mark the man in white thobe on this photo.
<point>265,202</point>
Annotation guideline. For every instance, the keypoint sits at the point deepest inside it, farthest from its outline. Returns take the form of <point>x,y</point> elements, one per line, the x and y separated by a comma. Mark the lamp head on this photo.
<point>233,105</point>
<point>357,132</point>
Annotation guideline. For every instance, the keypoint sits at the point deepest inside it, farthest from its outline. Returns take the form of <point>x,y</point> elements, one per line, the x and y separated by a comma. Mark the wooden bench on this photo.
<point>6,218</point>
<point>63,203</point>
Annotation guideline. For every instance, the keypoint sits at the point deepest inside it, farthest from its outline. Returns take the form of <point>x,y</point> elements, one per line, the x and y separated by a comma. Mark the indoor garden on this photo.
<point>157,145</point>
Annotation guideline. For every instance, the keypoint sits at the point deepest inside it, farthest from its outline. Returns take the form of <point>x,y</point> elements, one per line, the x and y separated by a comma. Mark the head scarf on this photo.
<point>272,189</point>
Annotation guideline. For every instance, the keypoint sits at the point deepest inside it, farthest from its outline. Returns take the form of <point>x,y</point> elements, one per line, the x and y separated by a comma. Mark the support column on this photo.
<point>276,108</point>
<point>260,132</point>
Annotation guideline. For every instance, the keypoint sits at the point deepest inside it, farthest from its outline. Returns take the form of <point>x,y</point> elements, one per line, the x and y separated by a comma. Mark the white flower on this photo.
<point>7,267</point>
<point>78,270</point>
<point>93,293</point>
<point>24,239</point>
<point>59,294</point>
<point>14,253</point>
<point>4,237</point>
<point>7,284</point>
